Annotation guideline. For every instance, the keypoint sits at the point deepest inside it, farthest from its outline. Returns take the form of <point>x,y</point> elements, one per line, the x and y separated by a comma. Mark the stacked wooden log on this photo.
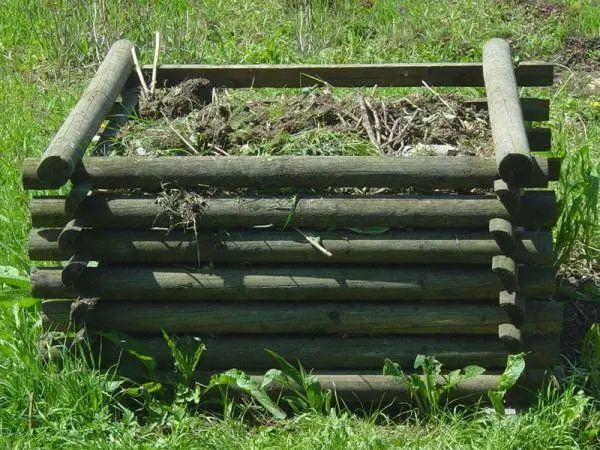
<point>339,282</point>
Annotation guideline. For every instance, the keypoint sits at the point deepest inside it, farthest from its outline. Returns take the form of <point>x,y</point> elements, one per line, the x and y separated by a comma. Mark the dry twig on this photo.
<point>138,70</point>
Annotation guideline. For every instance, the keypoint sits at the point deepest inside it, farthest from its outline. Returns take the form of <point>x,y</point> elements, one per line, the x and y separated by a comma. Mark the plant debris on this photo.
<point>314,122</point>
<point>178,101</point>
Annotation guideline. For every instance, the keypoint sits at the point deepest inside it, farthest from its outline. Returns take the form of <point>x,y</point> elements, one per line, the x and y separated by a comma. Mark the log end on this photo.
<point>515,169</point>
<point>496,45</point>
<point>54,171</point>
<point>511,336</point>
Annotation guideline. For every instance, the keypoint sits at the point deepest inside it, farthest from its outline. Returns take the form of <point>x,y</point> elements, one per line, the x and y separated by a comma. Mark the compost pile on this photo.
<point>192,118</point>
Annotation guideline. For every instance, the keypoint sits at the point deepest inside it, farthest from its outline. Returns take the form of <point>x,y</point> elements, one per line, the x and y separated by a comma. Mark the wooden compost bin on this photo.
<point>465,278</point>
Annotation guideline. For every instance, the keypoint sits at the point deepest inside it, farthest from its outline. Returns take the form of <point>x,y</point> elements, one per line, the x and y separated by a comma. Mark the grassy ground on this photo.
<point>49,49</point>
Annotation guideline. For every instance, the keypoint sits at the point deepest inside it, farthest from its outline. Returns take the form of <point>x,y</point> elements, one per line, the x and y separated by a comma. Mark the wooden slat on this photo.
<point>540,139</point>
<point>534,109</point>
<point>238,246</point>
<point>311,172</point>
<point>470,211</point>
<point>290,283</point>
<point>345,75</point>
<point>328,317</point>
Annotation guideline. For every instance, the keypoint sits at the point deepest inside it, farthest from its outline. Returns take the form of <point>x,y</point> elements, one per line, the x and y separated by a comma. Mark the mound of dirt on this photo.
<point>178,101</point>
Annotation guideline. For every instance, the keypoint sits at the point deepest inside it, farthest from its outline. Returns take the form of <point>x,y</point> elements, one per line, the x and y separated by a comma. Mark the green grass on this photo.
<point>49,49</point>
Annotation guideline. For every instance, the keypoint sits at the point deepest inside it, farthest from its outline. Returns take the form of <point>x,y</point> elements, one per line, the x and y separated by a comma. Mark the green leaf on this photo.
<point>473,371</point>
<point>274,375</point>
<point>497,397</point>
<point>10,275</point>
<point>515,365</point>
<point>18,297</point>
<point>452,379</point>
<point>241,381</point>
<point>392,368</point>
<point>420,361</point>
<point>286,367</point>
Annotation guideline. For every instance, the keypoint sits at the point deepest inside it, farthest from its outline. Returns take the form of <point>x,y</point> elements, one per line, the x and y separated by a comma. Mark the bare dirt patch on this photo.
<point>581,52</point>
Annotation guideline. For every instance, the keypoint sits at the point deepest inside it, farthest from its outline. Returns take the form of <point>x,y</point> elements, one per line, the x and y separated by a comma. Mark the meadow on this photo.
<point>48,52</point>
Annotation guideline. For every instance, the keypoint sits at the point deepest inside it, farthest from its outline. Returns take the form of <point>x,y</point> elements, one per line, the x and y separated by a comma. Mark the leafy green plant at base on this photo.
<point>515,365</point>
<point>186,352</point>
<point>306,393</point>
<point>239,380</point>
<point>428,389</point>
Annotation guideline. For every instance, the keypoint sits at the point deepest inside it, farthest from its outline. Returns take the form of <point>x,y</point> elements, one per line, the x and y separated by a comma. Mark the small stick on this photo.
<point>367,123</point>
<point>138,70</point>
<point>438,96</point>
<point>155,62</point>
<point>314,242</point>
<point>376,119</point>
<point>180,136</point>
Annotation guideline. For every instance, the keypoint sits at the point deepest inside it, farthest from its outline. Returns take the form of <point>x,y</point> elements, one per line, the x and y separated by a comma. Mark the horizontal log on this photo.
<point>364,388</point>
<point>538,210</point>
<point>290,283</point>
<point>506,118</point>
<point>311,172</point>
<point>345,75</point>
<point>329,317</point>
<point>237,246</point>
<point>334,352</point>
<point>534,109</point>
<point>72,139</point>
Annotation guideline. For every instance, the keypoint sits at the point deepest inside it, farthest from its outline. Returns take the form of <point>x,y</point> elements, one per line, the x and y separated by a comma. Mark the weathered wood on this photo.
<point>506,119</point>
<point>511,336</point>
<point>290,283</point>
<point>393,246</point>
<point>539,139</point>
<point>68,237</point>
<point>515,307</point>
<point>118,117</point>
<point>468,211</point>
<point>510,196</point>
<point>503,233</point>
<point>333,352</point>
<point>313,172</point>
<point>74,268</point>
<point>79,191</point>
<point>345,75</point>
<point>365,388</point>
<point>329,317</point>
<point>534,109</point>
<point>506,270</point>
<point>70,142</point>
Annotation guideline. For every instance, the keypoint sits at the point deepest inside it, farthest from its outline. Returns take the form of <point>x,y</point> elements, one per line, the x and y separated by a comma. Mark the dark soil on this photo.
<point>178,101</point>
